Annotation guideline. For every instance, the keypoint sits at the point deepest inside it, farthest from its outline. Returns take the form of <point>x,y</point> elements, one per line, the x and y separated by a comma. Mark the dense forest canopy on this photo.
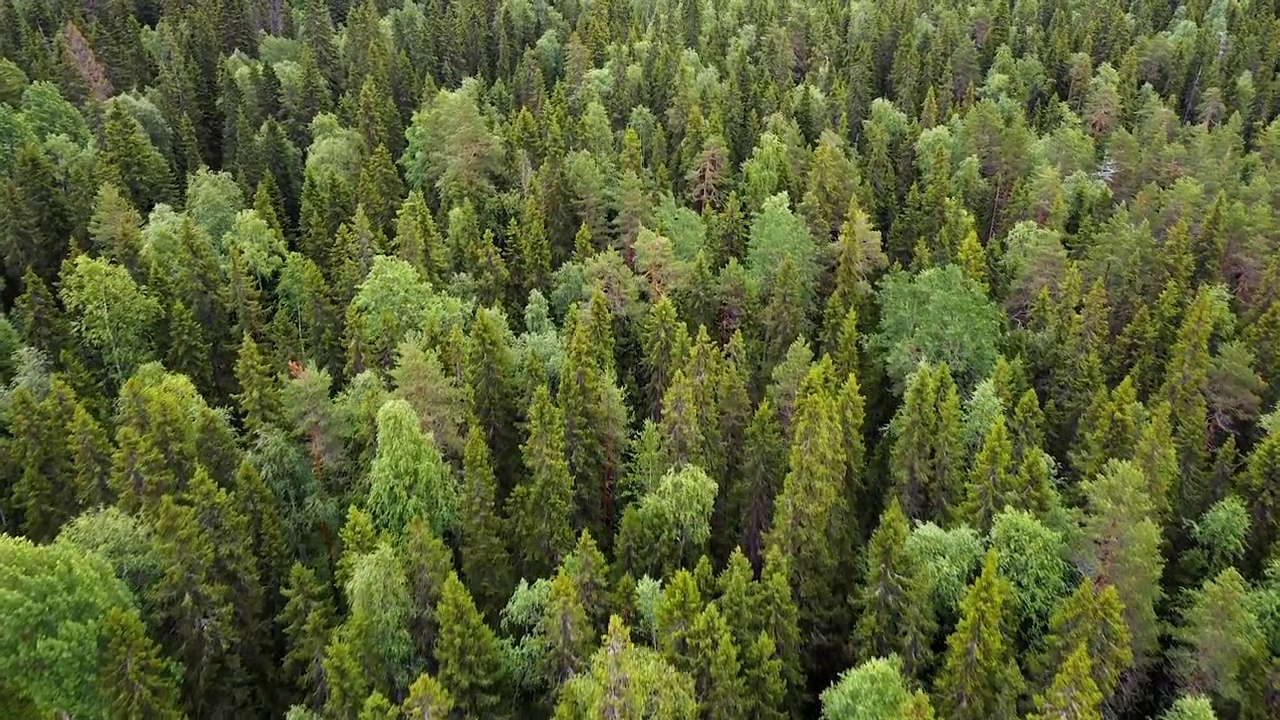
<point>673,359</point>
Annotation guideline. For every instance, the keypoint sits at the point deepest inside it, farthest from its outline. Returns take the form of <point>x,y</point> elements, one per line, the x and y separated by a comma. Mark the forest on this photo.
<point>621,359</point>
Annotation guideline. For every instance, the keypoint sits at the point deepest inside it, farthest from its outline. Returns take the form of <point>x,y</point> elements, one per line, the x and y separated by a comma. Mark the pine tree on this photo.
<point>532,247</point>
<point>38,318</point>
<point>540,507</point>
<point>484,558</point>
<point>682,438</point>
<point>979,677</point>
<point>467,653</point>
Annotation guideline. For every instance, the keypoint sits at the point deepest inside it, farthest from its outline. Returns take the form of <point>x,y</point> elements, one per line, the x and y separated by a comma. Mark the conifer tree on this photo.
<point>1186,380</point>
<point>467,653</point>
<point>540,507</point>
<point>927,451</point>
<point>895,614</point>
<point>307,619</point>
<point>1073,695</point>
<point>1091,618</point>
<point>1122,547</point>
<point>991,485</point>
<point>595,427</point>
<point>810,523</point>
<point>566,631</point>
<point>428,700</point>
<point>418,241</point>
<point>484,558</point>
<point>665,339</point>
<point>979,677</point>
<point>491,373</point>
<point>259,395</point>
<point>137,681</point>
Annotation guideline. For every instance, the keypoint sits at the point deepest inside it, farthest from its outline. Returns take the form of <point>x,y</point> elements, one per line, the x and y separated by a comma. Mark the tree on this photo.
<point>937,316</point>
<point>485,561</point>
<point>491,373</point>
<point>1092,618</point>
<point>928,446</point>
<point>777,234</point>
<point>467,653</point>
<point>259,396</point>
<point>418,241</point>
<point>979,677</point>
<point>540,507</point>
<point>627,682</point>
<point>1073,695</point>
<point>408,480</point>
<point>895,613</point>
<point>307,618</point>
<point>874,690</point>
<point>113,318</point>
<point>1191,707</point>
<point>1121,546</point>
<point>991,486</point>
<point>131,161</point>
<point>137,682</point>
<point>1219,638</point>
<point>377,628</point>
<point>60,606</point>
<point>1186,381</point>
<point>450,146</point>
<point>428,700</point>
<point>670,525</point>
<point>596,420</point>
<point>810,523</point>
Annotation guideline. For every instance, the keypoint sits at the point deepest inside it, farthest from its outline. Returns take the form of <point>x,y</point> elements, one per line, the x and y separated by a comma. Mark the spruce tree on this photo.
<point>1073,695</point>
<point>540,507</point>
<point>484,558</point>
<point>811,515</point>
<point>980,677</point>
<point>259,396</point>
<point>895,613</point>
<point>467,653</point>
<point>1092,618</point>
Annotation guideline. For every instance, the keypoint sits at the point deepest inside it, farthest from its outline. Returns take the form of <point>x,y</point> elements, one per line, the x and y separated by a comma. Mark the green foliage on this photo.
<point>979,677</point>
<point>937,316</point>
<point>113,318</point>
<point>408,480</point>
<point>629,681</point>
<point>324,219</point>
<point>874,690</point>
<point>57,611</point>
